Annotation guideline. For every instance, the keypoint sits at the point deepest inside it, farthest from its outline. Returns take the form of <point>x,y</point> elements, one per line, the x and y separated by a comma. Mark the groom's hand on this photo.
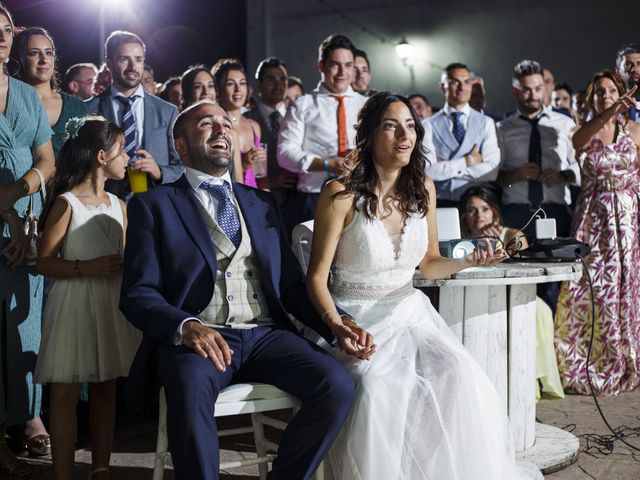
<point>206,342</point>
<point>353,339</point>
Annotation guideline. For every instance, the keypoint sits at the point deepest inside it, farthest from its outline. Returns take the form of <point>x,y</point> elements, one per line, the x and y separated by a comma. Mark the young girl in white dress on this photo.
<point>424,410</point>
<point>85,338</point>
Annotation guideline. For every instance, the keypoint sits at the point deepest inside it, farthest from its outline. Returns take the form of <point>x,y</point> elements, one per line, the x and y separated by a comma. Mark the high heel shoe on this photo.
<point>38,445</point>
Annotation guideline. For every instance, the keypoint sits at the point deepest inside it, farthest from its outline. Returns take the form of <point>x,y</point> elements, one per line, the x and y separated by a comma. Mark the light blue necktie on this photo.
<point>228,219</point>
<point>128,123</point>
<point>458,128</point>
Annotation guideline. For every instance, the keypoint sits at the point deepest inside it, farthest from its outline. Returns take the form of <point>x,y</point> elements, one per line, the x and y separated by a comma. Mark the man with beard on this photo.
<point>210,281</point>
<point>538,159</point>
<point>628,67</point>
<point>146,119</point>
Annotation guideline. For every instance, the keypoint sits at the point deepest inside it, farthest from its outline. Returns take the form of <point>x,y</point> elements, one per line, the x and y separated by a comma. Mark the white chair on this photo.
<point>447,220</point>
<point>251,398</point>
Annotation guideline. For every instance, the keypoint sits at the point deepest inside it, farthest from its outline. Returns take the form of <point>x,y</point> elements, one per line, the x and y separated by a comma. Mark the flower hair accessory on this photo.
<point>73,126</point>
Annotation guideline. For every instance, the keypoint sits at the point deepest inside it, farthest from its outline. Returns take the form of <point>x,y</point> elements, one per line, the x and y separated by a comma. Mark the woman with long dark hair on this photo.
<point>197,84</point>
<point>26,159</point>
<point>33,60</point>
<point>480,218</point>
<point>423,409</point>
<point>233,91</point>
<point>607,218</point>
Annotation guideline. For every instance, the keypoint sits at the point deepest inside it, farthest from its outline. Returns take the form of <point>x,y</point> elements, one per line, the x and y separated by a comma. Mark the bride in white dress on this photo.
<point>424,409</point>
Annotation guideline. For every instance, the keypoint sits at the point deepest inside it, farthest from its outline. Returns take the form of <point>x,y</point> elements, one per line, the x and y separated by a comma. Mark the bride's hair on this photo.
<point>411,193</point>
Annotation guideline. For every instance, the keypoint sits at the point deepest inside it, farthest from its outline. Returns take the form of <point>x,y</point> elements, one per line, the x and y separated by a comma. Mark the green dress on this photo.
<point>71,107</point>
<point>23,126</point>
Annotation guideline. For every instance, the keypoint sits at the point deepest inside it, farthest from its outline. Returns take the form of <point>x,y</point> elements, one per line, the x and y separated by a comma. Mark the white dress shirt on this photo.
<point>310,130</point>
<point>138,111</point>
<point>441,169</point>
<point>558,154</point>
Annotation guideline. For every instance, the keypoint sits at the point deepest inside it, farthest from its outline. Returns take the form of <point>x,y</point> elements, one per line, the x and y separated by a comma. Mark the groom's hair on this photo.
<point>179,129</point>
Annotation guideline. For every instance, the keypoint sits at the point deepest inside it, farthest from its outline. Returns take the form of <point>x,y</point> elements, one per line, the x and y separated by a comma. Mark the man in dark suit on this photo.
<point>146,119</point>
<point>210,281</point>
<point>271,84</point>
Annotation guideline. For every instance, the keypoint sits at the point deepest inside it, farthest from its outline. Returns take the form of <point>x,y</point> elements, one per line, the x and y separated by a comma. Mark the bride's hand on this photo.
<point>484,256</point>
<point>353,339</point>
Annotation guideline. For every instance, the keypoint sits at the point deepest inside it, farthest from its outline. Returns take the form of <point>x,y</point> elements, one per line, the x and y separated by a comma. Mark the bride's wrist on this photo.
<point>331,318</point>
<point>464,263</point>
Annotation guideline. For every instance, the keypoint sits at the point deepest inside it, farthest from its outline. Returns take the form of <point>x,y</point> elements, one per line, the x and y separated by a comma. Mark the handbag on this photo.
<point>30,221</point>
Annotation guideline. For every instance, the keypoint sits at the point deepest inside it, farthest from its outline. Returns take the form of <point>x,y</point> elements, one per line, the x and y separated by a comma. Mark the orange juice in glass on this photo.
<point>137,178</point>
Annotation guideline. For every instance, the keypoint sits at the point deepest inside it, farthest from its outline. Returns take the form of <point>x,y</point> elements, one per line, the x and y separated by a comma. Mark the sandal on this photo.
<point>38,445</point>
<point>17,468</point>
<point>98,470</point>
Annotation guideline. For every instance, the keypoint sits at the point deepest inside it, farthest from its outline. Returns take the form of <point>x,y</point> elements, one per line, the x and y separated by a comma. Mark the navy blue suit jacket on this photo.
<point>170,266</point>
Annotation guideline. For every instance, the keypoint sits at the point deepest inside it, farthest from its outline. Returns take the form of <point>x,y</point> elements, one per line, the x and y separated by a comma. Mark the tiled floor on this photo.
<point>135,442</point>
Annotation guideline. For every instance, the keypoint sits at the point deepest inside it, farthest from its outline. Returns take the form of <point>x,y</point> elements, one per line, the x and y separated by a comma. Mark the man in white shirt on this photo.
<point>628,67</point>
<point>538,159</point>
<point>462,144</point>
<point>318,130</point>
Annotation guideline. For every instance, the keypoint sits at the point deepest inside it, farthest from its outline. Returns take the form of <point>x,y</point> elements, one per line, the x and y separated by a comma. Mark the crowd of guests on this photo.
<point>498,170</point>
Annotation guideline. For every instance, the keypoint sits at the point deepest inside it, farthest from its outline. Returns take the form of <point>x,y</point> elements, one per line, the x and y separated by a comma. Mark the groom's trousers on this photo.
<point>266,355</point>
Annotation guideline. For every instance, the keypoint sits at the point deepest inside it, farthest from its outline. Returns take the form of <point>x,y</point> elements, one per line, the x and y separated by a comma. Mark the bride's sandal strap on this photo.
<point>95,471</point>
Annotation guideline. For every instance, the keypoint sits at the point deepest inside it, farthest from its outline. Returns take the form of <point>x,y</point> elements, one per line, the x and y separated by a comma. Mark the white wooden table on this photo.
<point>492,311</point>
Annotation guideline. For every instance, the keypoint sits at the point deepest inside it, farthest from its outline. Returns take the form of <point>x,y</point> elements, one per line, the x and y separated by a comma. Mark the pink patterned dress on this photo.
<point>606,218</point>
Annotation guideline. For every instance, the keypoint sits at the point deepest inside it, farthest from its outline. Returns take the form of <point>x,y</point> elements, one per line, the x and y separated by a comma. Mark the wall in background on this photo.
<point>178,33</point>
<point>574,38</point>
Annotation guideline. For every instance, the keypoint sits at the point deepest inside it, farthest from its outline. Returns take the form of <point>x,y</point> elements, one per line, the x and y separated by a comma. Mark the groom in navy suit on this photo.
<point>210,281</point>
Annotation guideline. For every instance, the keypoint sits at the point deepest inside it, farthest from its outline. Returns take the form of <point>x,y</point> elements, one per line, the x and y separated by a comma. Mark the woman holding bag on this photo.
<point>25,144</point>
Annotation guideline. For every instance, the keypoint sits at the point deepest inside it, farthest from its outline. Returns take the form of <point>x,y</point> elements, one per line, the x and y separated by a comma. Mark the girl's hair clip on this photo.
<point>73,126</point>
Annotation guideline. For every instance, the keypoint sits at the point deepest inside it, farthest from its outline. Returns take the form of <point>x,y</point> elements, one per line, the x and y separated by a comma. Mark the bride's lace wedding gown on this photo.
<point>424,409</point>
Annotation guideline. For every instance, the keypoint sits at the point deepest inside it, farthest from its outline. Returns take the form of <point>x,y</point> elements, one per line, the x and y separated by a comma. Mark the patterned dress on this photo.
<point>606,218</point>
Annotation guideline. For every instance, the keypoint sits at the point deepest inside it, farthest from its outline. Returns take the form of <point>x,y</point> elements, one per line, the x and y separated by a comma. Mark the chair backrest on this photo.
<point>301,243</point>
<point>448,221</point>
